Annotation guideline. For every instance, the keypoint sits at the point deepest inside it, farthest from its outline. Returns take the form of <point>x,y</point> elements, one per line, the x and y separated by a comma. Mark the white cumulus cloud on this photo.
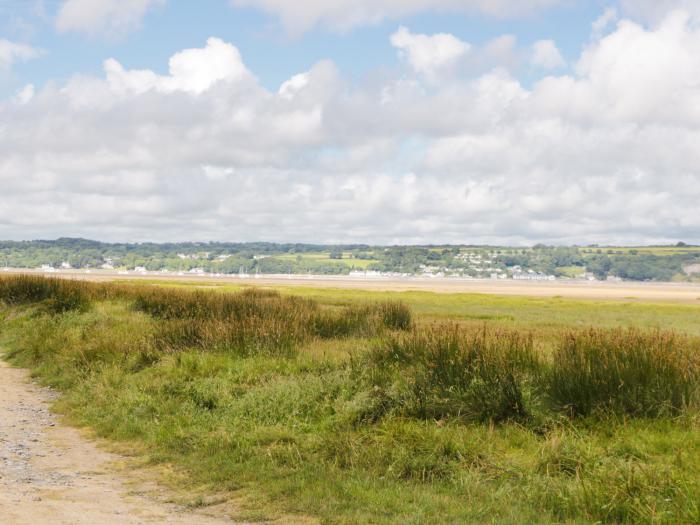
<point>427,54</point>
<point>343,15</point>
<point>605,153</point>
<point>111,17</point>
<point>655,11</point>
<point>546,54</point>
<point>191,70</point>
<point>12,52</point>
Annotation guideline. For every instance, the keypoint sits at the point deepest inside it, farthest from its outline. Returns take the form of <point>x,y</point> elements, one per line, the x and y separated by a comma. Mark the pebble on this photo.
<point>21,443</point>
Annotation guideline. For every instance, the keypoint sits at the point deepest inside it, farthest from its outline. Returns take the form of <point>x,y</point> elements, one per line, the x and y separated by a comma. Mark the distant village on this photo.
<point>678,262</point>
<point>475,265</point>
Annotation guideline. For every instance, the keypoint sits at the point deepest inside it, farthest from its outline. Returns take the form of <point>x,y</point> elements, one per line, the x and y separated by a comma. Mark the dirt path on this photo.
<point>51,474</point>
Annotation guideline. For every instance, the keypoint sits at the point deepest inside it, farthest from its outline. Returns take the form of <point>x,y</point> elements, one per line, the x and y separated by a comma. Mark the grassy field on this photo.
<point>655,250</point>
<point>544,315</point>
<point>346,406</point>
<point>347,259</point>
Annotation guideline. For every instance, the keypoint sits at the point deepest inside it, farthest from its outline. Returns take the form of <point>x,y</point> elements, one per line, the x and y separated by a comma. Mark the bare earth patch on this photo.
<point>51,474</point>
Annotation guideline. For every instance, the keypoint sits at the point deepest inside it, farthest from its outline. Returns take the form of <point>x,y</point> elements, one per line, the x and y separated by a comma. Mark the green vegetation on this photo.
<point>445,371</point>
<point>625,372</point>
<point>650,263</point>
<point>353,407</point>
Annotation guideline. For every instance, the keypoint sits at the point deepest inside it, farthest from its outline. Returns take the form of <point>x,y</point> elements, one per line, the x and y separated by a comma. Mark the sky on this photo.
<point>351,121</point>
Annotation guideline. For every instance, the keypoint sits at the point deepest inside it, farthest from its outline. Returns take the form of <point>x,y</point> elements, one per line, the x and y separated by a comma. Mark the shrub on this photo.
<point>629,372</point>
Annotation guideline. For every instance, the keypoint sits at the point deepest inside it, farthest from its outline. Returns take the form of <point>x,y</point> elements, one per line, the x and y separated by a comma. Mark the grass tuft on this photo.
<point>58,295</point>
<point>449,371</point>
<point>628,372</point>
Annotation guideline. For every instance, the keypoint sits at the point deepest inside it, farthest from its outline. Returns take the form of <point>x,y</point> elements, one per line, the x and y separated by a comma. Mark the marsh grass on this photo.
<point>261,321</point>
<point>357,412</point>
<point>170,304</point>
<point>449,371</point>
<point>630,372</point>
<point>250,321</point>
<point>57,295</point>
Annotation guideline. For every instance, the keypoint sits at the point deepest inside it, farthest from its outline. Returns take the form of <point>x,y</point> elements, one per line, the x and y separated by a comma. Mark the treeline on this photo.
<point>210,256</point>
<point>664,264</point>
<point>631,265</point>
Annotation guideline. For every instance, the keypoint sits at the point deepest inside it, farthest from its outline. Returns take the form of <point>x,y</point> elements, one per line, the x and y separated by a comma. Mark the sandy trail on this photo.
<point>51,474</point>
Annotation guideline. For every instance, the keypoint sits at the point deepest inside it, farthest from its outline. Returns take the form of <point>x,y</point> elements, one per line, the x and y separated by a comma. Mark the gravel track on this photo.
<point>52,474</point>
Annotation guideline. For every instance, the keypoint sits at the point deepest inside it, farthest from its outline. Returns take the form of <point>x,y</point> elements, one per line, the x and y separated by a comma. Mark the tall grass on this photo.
<point>245,337</point>
<point>253,321</point>
<point>362,320</point>
<point>261,321</point>
<point>439,371</point>
<point>633,372</point>
<point>252,302</point>
<point>449,371</point>
<point>445,371</point>
<point>58,295</point>
<point>226,387</point>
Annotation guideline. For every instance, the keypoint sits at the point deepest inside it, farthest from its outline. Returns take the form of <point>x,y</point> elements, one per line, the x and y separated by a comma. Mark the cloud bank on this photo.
<point>607,153</point>
<point>111,17</point>
<point>344,15</point>
<point>12,53</point>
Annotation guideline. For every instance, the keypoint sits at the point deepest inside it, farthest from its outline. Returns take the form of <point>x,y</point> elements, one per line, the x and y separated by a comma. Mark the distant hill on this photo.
<point>641,263</point>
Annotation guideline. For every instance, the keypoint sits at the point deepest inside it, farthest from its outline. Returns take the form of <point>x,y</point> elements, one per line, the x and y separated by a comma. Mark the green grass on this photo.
<point>571,271</point>
<point>532,313</point>
<point>625,371</point>
<point>472,409</point>
<point>347,260</point>
<point>655,250</point>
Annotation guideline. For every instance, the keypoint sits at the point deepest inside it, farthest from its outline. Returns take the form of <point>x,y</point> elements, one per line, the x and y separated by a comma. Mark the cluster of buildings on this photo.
<point>519,274</point>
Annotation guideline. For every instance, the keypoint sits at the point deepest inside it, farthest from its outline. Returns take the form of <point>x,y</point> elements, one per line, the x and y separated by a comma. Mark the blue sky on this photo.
<point>463,121</point>
<point>267,47</point>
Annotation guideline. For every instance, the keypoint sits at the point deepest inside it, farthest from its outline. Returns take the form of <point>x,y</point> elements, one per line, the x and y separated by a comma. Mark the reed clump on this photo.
<point>362,320</point>
<point>245,337</point>
<point>58,295</point>
<point>260,321</point>
<point>203,305</point>
<point>629,372</point>
<point>451,371</point>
